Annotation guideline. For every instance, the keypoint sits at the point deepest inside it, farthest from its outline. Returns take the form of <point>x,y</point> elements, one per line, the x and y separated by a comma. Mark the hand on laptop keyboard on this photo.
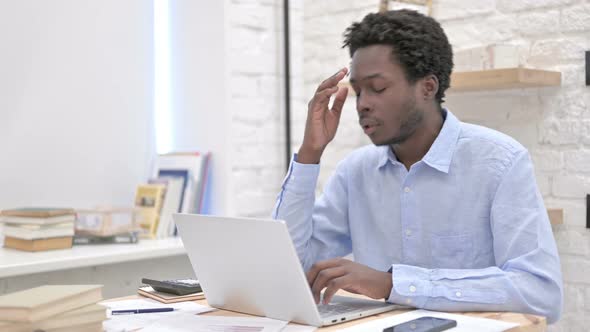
<point>339,273</point>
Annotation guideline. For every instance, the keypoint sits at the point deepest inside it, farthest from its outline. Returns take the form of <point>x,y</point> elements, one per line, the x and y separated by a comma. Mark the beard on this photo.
<point>409,123</point>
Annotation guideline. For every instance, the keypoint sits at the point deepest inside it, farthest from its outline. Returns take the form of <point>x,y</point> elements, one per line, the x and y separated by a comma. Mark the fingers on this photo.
<point>333,286</point>
<point>323,97</point>
<point>319,266</point>
<point>339,100</point>
<point>324,278</point>
<point>333,80</point>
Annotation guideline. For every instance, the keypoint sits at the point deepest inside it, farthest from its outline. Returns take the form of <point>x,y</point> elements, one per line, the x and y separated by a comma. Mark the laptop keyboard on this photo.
<point>339,308</point>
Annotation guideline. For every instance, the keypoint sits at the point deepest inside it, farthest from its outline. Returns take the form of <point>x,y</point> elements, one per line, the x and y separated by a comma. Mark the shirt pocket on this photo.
<point>451,251</point>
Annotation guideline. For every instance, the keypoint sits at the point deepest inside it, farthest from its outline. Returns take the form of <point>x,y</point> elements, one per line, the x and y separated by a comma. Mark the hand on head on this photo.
<point>322,121</point>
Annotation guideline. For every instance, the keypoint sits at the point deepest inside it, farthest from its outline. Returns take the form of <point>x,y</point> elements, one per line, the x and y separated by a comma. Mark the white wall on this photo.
<point>75,101</point>
<point>76,118</point>
<point>552,123</point>
<point>199,91</point>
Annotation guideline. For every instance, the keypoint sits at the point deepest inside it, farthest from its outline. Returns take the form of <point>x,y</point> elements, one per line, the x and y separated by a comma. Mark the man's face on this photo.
<point>386,101</point>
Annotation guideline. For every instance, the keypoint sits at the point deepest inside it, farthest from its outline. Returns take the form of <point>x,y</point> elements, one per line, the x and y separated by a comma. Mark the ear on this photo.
<point>429,87</point>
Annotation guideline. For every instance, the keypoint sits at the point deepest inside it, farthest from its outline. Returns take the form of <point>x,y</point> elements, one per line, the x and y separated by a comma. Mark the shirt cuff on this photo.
<point>414,286</point>
<point>301,178</point>
<point>411,285</point>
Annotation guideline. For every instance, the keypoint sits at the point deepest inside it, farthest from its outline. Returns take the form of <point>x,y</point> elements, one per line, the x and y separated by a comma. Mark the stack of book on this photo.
<point>53,308</point>
<point>38,229</point>
<point>163,297</point>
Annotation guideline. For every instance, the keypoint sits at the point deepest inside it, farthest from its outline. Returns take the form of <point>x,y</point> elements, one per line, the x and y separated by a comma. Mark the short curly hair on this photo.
<point>419,44</point>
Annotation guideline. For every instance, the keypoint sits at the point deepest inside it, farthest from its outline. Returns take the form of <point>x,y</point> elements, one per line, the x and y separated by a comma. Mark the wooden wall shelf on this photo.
<point>495,79</point>
<point>510,78</point>
<point>555,216</point>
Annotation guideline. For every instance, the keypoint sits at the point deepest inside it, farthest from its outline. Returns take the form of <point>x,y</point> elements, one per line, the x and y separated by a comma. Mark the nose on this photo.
<point>363,104</point>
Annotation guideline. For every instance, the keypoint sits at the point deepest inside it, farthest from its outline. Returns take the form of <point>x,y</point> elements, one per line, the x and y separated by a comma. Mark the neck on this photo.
<point>417,145</point>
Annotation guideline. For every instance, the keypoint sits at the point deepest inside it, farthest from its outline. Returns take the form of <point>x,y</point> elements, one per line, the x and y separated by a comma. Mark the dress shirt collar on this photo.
<point>440,154</point>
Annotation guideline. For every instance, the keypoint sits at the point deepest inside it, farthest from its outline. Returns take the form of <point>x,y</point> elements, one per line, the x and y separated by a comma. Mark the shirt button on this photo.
<point>407,189</point>
<point>408,301</point>
<point>458,294</point>
<point>409,232</point>
<point>412,288</point>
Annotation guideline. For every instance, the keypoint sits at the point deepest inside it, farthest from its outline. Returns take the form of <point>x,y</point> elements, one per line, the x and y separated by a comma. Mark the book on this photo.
<point>179,174</point>
<point>130,237</point>
<point>172,203</point>
<point>38,244</point>
<point>196,163</point>
<point>148,291</point>
<point>38,220</point>
<point>37,212</point>
<point>35,231</point>
<point>42,302</point>
<point>149,199</point>
<point>90,314</point>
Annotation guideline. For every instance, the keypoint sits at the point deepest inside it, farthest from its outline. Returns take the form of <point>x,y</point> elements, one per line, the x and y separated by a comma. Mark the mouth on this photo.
<point>369,129</point>
<point>369,125</point>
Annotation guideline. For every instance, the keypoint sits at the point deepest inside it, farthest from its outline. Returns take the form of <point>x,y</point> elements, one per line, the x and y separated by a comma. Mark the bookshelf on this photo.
<point>497,79</point>
<point>18,263</point>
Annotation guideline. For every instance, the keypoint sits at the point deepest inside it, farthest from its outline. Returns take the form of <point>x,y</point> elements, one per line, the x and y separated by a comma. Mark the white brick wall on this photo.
<point>553,123</point>
<point>256,42</point>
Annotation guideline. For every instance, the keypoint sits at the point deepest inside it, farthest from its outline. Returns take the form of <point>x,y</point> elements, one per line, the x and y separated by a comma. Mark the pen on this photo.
<point>140,311</point>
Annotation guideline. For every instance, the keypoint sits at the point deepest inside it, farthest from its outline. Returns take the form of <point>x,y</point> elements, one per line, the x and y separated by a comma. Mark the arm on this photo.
<point>321,235</point>
<point>318,230</point>
<point>527,275</point>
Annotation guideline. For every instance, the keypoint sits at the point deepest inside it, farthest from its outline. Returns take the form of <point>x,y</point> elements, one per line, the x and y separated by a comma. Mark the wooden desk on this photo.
<point>527,323</point>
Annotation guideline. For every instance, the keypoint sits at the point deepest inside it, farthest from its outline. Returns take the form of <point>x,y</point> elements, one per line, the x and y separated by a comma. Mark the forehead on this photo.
<point>374,59</point>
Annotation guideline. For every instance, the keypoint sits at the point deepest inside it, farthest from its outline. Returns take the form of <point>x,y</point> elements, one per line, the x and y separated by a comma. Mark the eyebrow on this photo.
<point>368,77</point>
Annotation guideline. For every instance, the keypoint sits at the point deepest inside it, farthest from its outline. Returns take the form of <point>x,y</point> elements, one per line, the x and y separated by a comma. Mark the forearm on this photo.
<point>295,204</point>
<point>489,289</point>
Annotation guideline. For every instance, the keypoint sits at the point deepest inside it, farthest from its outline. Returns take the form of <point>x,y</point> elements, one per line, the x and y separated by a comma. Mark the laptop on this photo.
<point>250,266</point>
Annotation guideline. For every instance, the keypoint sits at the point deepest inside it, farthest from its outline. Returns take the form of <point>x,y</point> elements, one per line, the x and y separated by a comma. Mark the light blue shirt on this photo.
<point>465,229</point>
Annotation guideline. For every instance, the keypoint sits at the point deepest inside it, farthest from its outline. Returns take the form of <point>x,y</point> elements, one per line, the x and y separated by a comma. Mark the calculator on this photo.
<point>175,286</point>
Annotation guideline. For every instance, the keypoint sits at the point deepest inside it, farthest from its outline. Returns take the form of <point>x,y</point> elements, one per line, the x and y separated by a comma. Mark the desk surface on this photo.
<point>527,323</point>
<point>15,262</point>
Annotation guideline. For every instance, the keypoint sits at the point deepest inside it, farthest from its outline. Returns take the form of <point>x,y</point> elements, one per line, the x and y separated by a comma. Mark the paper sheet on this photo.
<point>119,323</point>
<point>190,323</point>
<point>464,323</point>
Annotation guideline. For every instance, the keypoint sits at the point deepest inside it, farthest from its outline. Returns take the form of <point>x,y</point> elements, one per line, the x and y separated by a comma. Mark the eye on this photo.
<point>378,90</point>
<point>357,92</point>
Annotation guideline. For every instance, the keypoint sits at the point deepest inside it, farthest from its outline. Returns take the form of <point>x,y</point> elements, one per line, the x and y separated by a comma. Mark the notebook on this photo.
<point>250,266</point>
